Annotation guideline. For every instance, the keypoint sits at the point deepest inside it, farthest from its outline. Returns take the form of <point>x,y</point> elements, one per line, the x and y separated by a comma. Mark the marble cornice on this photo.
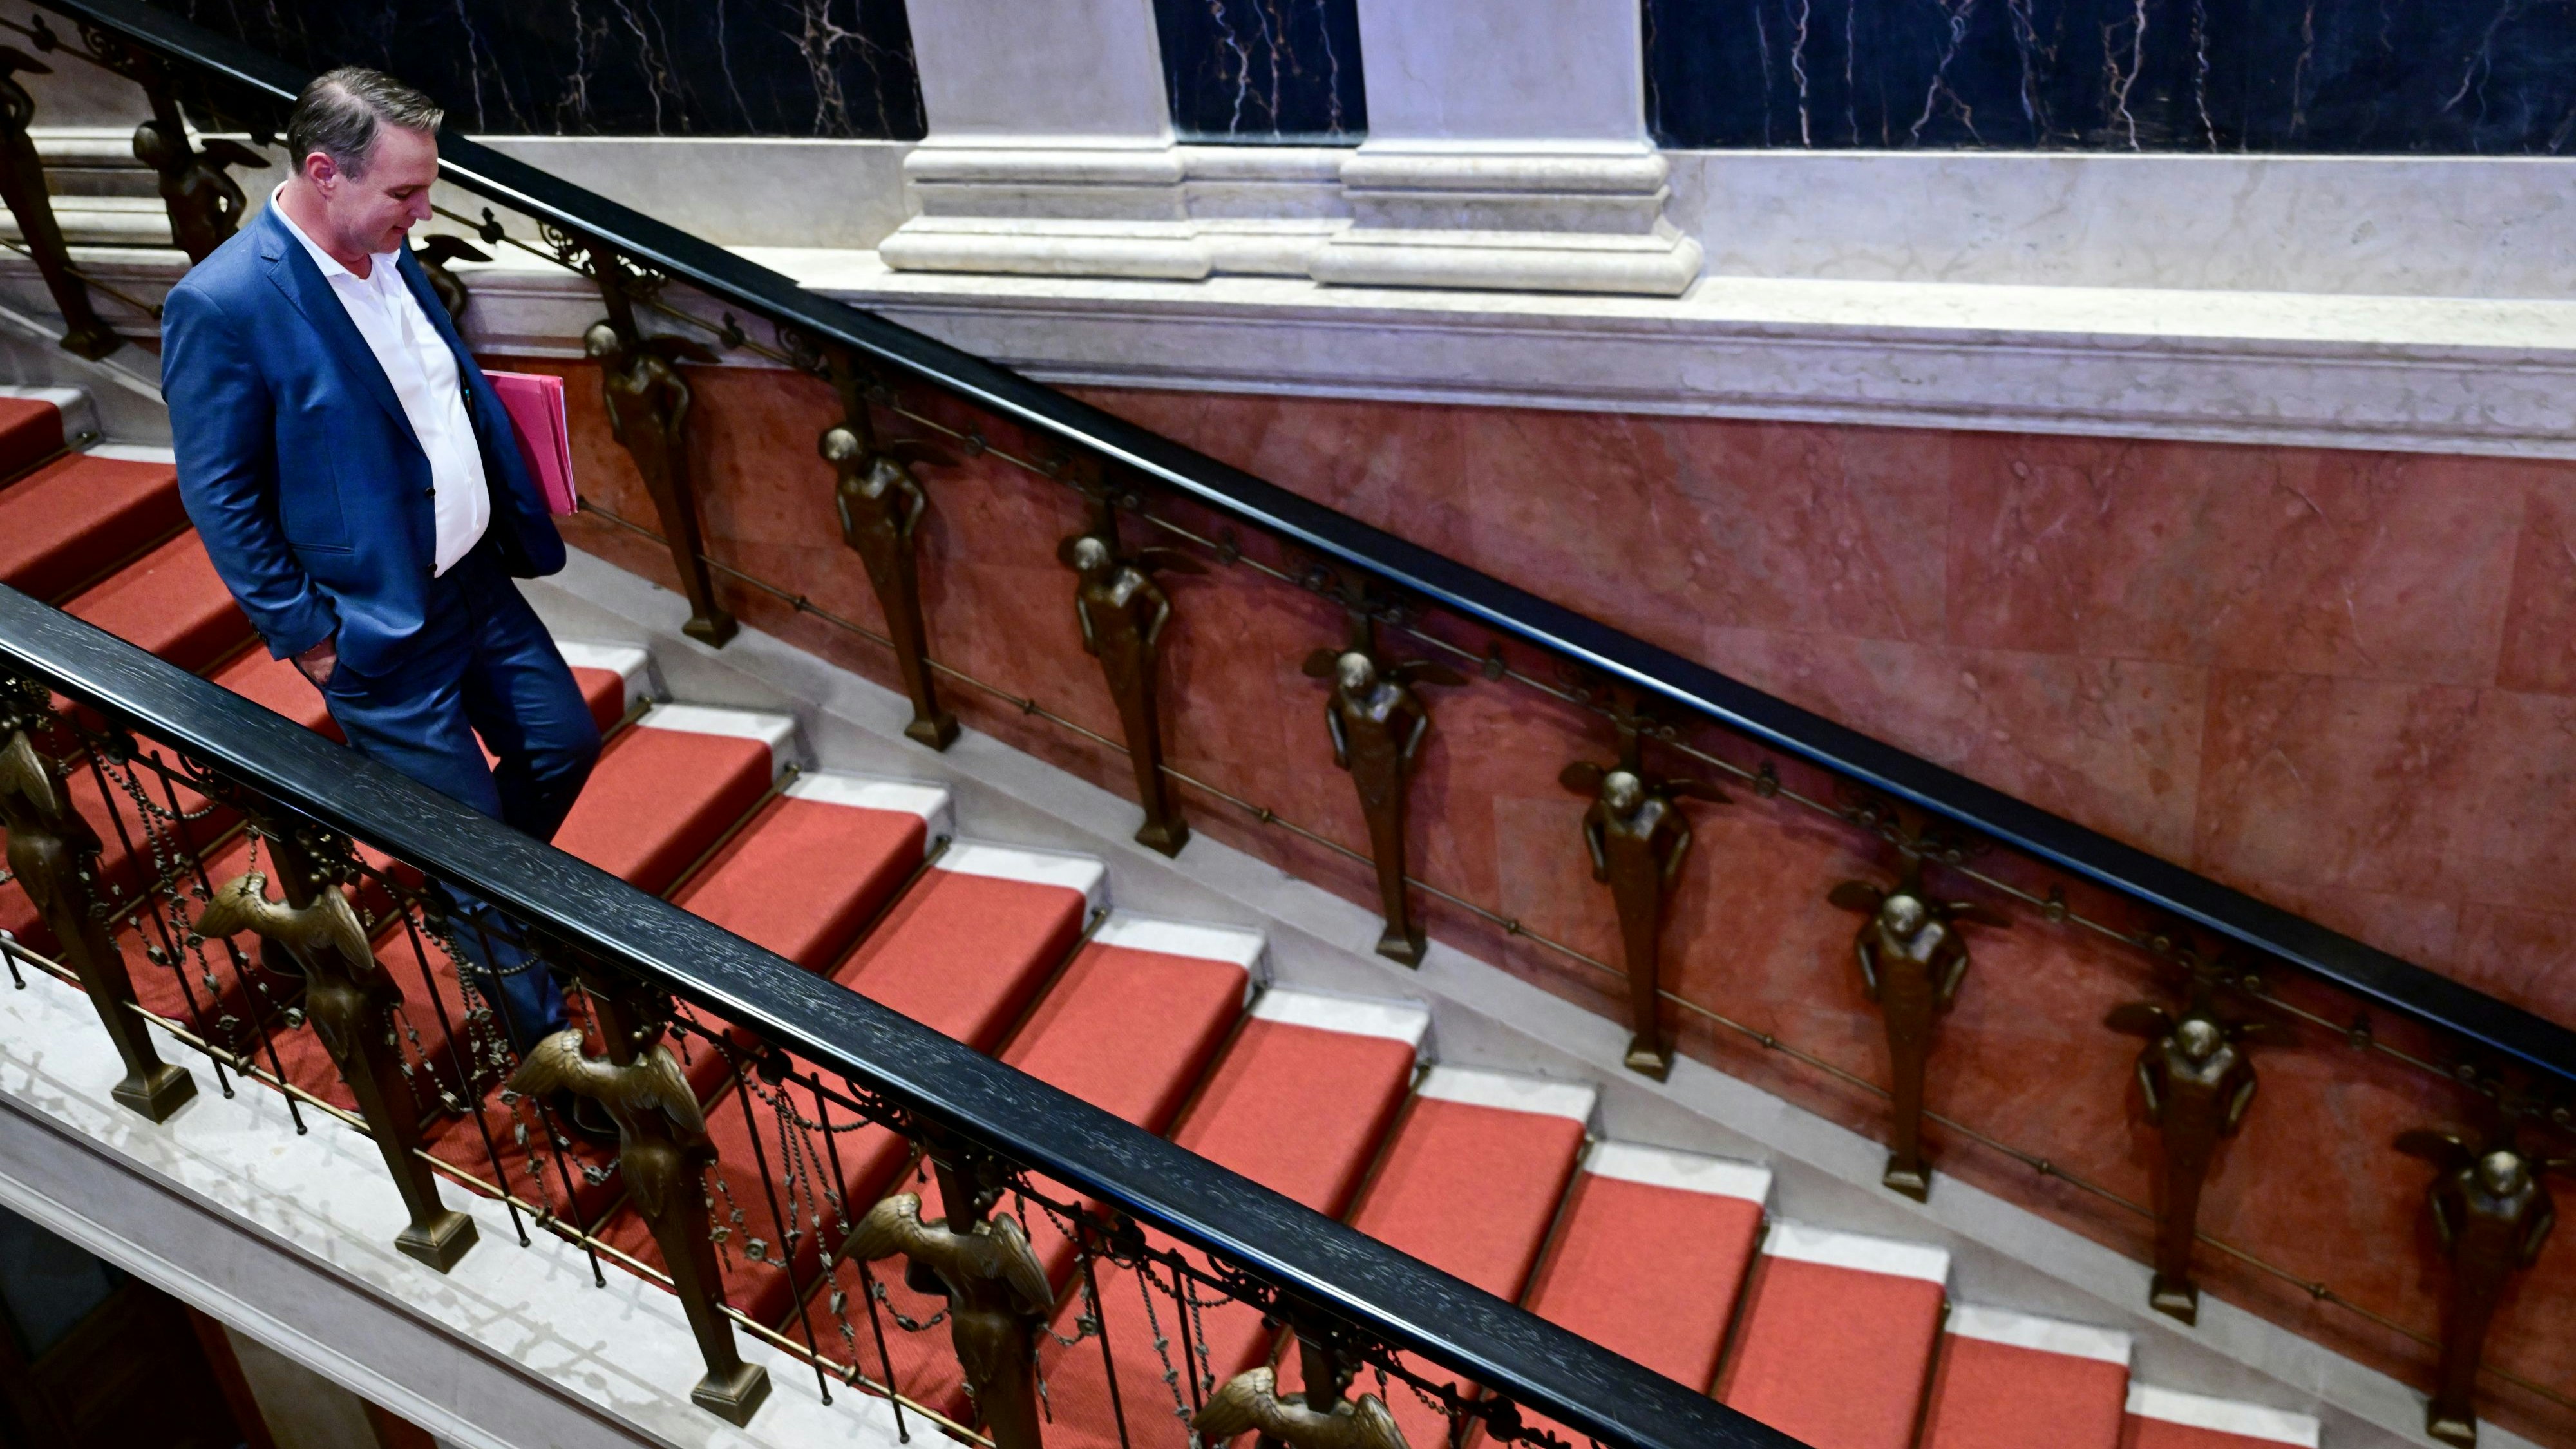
<point>2421,374</point>
<point>2414,374</point>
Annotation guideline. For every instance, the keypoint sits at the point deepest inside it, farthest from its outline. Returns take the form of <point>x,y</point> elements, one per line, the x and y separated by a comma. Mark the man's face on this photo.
<point>372,211</point>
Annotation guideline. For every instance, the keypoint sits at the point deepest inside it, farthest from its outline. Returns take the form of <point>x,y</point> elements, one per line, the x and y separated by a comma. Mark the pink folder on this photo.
<point>536,405</point>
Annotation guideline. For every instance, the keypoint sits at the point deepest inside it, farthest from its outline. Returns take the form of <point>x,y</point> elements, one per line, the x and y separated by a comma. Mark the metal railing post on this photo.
<point>54,854</point>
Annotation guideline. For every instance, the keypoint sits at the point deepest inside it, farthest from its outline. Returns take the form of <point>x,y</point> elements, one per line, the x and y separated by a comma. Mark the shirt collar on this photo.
<point>329,264</point>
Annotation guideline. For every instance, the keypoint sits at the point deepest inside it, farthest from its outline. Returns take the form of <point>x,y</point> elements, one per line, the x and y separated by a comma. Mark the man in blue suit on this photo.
<point>359,488</point>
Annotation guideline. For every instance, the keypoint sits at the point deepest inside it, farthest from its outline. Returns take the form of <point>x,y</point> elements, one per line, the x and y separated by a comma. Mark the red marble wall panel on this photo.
<point>2341,681</point>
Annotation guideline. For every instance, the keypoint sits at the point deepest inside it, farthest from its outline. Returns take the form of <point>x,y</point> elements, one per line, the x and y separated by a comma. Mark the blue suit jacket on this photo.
<point>297,465</point>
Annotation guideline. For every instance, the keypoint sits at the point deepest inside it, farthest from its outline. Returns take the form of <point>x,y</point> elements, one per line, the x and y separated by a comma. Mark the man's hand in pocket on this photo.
<point>318,661</point>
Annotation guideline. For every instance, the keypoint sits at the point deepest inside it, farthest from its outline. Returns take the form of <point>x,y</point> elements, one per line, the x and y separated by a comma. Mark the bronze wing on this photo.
<point>655,1080</point>
<point>1166,560</point>
<point>1683,787</point>
<point>1423,671</point>
<point>892,1226</point>
<point>1857,895</point>
<point>2140,1018</point>
<point>2446,1150</point>
<point>551,1065</point>
<point>1249,1400</point>
<point>1377,1427</point>
<point>1017,1267</point>
<point>435,251</point>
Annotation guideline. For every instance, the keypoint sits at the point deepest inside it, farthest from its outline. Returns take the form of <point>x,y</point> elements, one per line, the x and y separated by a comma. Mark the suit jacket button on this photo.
<point>430,492</point>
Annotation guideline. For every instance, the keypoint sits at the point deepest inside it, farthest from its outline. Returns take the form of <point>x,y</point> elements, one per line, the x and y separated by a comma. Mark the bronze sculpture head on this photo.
<point>1355,672</point>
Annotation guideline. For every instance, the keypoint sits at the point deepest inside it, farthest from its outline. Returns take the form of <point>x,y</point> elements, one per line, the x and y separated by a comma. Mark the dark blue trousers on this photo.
<point>482,666</point>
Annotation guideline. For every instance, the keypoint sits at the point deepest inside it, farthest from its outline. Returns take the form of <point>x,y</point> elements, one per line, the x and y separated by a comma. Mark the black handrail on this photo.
<point>1386,1294</point>
<point>2541,1046</point>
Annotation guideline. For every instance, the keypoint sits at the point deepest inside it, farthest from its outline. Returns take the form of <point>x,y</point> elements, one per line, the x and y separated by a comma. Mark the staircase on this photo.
<point>1843,1341</point>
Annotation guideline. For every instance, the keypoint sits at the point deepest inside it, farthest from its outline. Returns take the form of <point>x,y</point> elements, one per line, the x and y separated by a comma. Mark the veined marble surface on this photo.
<point>1263,70</point>
<point>2451,77</point>
<point>833,68</point>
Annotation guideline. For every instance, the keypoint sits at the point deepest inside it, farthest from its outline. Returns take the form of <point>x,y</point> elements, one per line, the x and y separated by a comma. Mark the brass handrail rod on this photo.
<point>138,304</point>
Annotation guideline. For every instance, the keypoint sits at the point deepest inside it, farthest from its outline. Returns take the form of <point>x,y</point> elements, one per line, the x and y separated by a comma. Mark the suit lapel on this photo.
<point>293,272</point>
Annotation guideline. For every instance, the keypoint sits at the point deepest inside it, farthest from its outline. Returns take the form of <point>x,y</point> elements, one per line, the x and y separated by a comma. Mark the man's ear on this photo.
<point>320,170</point>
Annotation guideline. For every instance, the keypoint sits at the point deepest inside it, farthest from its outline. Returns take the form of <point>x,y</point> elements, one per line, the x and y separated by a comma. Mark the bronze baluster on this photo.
<point>1123,611</point>
<point>434,253</point>
<point>1316,1417</point>
<point>1378,721</point>
<point>22,187</point>
<point>663,1152</point>
<point>1638,838</point>
<point>2492,1215</point>
<point>351,1002</point>
<point>648,412</point>
<point>2198,1082</point>
<point>1912,961</point>
<point>998,1297</point>
<point>205,205</point>
<point>881,504</point>
<point>54,853</point>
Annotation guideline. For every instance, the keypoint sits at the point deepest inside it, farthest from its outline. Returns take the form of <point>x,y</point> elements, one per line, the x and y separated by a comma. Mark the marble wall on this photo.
<point>2343,681</point>
<point>1263,70</point>
<point>2447,77</point>
<point>820,68</point>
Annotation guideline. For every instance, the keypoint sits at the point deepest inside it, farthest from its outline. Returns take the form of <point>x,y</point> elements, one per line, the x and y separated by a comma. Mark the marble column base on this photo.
<point>1587,219</point>
<point>1063,209</point>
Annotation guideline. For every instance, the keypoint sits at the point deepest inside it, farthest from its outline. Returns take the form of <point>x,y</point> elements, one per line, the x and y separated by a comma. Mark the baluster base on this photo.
<point>92,343</point>
<point>1404,947</point>
<point>714,630</point>
<point>2451,1423</point>
<point>938,731</point>
<point>734,1397</point>
<point>440,1244</point>
<point>2175,1297</point>
<point>157,1093</point>
<point>1914,1179</point>
<point>1167,836</point>
<point>1650,1058</point>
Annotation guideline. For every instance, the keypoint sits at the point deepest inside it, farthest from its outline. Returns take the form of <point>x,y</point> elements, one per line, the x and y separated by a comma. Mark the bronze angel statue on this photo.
<point>1250,1401</point>
<point>204,204</point>
<point>1912,961</point>
<point>659,1159</point>
<point>434,253</point>
<point>881,503</point>
<point>2491,1214</point>
<point>1122,611</point>
<point>998,1298</point>
<point>1638,838</point>
<point>1378,723</point>
<point>649,403</point>
<point>2198,1083</point>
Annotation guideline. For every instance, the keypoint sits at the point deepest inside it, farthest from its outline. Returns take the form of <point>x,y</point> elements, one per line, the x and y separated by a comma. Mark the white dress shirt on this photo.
<point>423,373</point>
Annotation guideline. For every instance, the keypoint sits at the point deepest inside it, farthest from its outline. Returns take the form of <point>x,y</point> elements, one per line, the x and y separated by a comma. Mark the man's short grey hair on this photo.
<point>341,112</point>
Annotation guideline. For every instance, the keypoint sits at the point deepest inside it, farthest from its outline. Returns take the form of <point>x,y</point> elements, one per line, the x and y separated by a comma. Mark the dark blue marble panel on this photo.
<point>2441,77</point>
<point>1264,70</point>
<point>831,68</point>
